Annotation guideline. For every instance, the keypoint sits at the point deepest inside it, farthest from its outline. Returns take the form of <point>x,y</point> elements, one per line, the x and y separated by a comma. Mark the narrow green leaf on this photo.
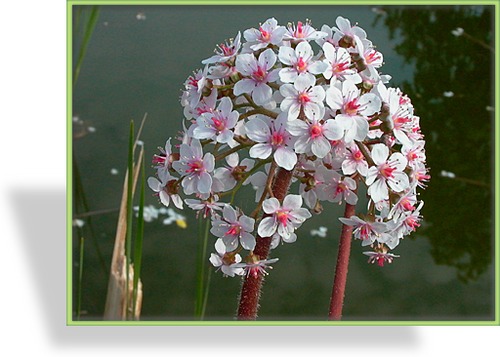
<point>80,278</point>
<point>130,184</point>
<point>89,29</point>
<point>139,239</point>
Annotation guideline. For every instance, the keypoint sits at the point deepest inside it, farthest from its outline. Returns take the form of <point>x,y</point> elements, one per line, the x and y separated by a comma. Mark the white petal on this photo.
<point>204,183</point>
<point>271,205</point>
<point>285,158</point>
<point>292,202</point>
<point>267,227</point>
<point>399,182</point>
<point>261,151</point>
<point>287,55</point>
<point>380,153</point>
<point>320,147</point>
<point>262,94</point>
<point>267,59</point>
<point>245,85</point>
<point>378,190</point>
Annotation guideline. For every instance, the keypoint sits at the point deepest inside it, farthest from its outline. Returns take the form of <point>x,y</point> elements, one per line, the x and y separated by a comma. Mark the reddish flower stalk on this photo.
<point>339,282</point>
<point>251,288</point>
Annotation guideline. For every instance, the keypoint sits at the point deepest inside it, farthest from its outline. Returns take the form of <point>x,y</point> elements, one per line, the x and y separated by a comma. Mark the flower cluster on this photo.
<point>304,100</point>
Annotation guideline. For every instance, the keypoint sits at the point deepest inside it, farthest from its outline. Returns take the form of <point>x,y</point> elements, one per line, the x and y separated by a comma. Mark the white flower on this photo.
<point>271,136</point>
<point>259,73</point>
<point>301,63</point>
<point>268,33</point>
<point>388,171</point>
<point>338,61</point>
<point>228,263</point>
<point>354,108</point>
<point>313,137</point>
<point>234,228</point>
<point>195,168</point>
<point>217,125</point>
<point>225,51</point>
<point>166,187</point>
<point>284,219</point>
<point>303,94</point>
<point>303,32</point>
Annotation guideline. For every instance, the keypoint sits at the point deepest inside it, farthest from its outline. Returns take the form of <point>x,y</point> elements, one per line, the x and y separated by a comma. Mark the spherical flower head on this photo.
<point>234,228</point>
<point>195,168</point>
<point>284,219</point>
<point>388,171</point>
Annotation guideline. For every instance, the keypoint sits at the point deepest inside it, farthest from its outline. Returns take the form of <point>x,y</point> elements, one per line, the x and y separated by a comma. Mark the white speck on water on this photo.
<point>91,129</point>
<point>114,171</point>
<point>140,16</point>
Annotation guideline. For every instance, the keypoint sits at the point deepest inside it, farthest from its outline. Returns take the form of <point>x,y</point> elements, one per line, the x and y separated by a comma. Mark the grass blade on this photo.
<point>89,29</point>
<point>138,241</point>
<point>130,199</point>
<point>80,278</point>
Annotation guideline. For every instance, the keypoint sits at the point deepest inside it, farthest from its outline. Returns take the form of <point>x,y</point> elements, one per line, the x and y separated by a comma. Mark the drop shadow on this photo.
<point>43,238</point>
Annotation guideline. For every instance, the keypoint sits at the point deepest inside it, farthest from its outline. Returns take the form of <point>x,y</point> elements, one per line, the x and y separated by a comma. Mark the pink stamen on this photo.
<point>266,36</point>
<point>195,166</point>
<point>340,67</point>
<point>406,204</point>
<point>387,170</point>
<point>158,159</point>
<point>315,131</point>
<point>282,217</point>
<point>412,222</point>
<point>234,230</point>
<point>259,75</point>
<point>357,155</point>
<point>304,98</point>
<point>219,124</point>
<point>301,65</point>
<point>380,260</point>
<point>277,139</point>
<point>299,33</point>
<point>352,107</point>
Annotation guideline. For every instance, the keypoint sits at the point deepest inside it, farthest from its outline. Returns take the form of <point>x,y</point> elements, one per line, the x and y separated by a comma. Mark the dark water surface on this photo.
<point>137,60</point>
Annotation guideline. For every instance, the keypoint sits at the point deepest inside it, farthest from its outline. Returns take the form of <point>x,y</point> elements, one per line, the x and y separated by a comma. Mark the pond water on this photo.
<point>138,58</point>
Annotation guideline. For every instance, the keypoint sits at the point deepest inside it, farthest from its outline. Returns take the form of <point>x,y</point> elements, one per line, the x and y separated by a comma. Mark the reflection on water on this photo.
<point>453,91</point>
<point>138,59</point>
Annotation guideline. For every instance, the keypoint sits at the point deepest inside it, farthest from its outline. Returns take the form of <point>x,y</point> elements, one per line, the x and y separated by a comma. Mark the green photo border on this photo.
<point>69,173</point>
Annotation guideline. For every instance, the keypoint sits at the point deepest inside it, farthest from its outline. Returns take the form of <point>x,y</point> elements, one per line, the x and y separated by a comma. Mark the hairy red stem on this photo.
<point>251,288</point>
<point>339,282</point>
